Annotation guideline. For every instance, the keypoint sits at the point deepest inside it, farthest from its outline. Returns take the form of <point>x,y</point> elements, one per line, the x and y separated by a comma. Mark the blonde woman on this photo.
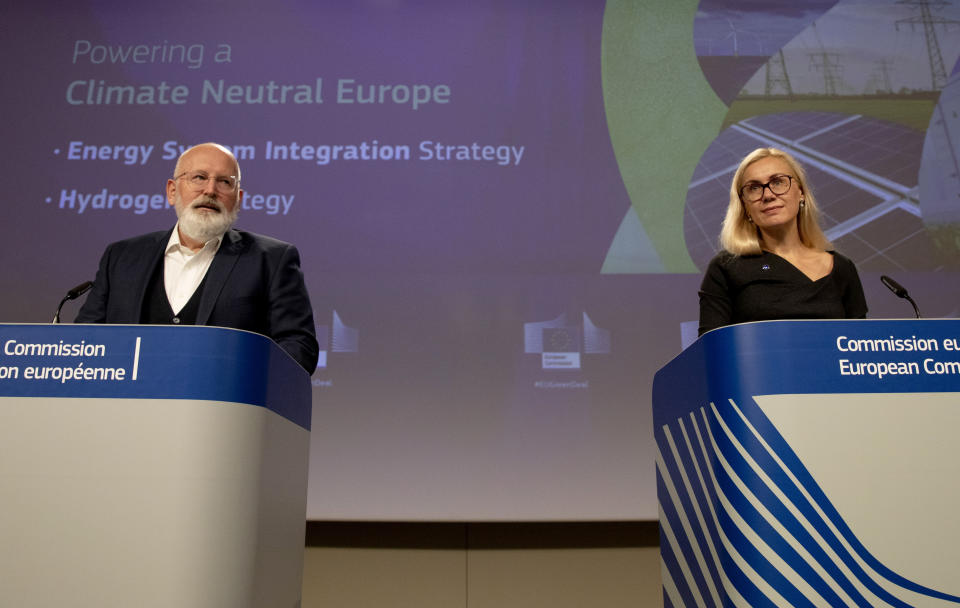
<point>776,262</point>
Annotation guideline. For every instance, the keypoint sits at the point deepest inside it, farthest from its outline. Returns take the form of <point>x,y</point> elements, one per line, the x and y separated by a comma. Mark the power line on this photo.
<point>777,78</point>
<point>938,73</point>
<point>828,64</point>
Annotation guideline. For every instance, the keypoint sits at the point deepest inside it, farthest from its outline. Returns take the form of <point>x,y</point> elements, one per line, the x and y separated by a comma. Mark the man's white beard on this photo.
<point>204,225</point>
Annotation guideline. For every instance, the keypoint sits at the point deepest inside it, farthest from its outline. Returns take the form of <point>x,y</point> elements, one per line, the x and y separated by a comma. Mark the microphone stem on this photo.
<point>56,316</point>
<point>916,310</point>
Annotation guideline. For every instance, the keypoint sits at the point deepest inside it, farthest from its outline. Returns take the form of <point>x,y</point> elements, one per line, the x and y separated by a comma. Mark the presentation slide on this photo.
<point>503,208</point>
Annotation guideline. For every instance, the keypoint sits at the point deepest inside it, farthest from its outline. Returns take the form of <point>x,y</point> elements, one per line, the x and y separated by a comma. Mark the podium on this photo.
<point>811,463</point>
<point>151,466</point>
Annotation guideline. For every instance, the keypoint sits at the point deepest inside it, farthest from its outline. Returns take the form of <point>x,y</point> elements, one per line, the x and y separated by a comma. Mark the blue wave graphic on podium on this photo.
<point>743,523</point>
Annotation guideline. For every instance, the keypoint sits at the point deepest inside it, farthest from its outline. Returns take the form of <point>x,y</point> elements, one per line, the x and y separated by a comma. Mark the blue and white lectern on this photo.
<point>150,466</point>
<point>811,463</point>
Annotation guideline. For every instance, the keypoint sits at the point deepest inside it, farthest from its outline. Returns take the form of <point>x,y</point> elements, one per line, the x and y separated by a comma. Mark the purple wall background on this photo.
<point>439,413</point>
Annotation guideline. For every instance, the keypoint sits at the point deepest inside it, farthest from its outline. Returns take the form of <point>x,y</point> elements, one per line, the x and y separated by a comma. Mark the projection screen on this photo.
<point>503,209</point>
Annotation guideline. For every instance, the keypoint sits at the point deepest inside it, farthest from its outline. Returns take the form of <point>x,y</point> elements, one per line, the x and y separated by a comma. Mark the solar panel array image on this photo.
<point>863,172</point>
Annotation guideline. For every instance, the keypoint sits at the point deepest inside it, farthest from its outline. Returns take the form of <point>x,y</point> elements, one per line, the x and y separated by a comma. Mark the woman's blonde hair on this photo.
<point>740,236</point>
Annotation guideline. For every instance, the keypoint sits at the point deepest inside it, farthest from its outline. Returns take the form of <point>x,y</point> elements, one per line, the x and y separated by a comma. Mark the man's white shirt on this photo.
<point>183,270</point>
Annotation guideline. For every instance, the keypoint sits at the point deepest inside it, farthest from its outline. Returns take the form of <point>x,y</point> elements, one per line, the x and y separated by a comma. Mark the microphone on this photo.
<point>73,294</point>
<point>899,291</point>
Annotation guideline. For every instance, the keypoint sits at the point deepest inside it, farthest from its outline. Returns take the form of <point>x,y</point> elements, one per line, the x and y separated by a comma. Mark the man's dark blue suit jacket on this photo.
<point>254,283</point>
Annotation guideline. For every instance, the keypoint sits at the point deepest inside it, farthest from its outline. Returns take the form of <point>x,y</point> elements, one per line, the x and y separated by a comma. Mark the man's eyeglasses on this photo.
<point>224,184</point>
<point>752,192</point>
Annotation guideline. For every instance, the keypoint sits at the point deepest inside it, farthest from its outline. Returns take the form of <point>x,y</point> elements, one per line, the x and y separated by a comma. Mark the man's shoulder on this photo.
<point>143,240</point>
<point>253,240</point>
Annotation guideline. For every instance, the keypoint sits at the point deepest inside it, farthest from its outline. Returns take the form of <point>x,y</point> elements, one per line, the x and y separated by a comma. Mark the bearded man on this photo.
<point>202,271</point>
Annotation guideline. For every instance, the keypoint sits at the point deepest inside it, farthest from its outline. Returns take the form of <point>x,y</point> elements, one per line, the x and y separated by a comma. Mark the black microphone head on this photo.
<point>79,290</point>
<point>893,286</point>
